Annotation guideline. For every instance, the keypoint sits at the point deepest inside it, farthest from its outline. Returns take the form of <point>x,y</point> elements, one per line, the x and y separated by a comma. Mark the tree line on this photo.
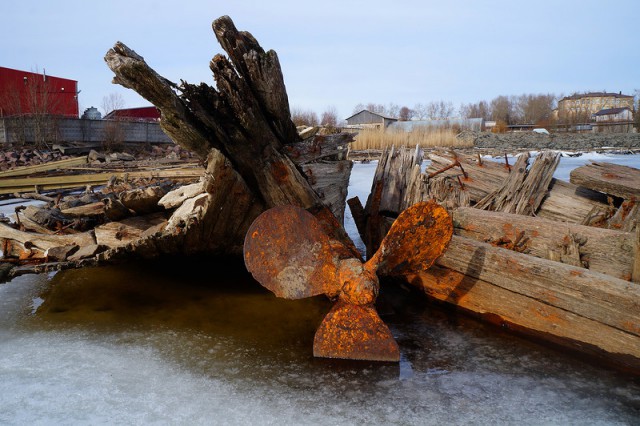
<point>536,109</point>
<point>522,109</point>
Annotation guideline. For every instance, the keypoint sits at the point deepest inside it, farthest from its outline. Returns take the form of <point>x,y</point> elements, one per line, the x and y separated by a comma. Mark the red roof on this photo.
<point>149,113</point>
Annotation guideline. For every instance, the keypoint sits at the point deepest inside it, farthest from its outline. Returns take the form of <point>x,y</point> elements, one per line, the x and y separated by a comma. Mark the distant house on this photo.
<point>366,118</point>
<point>149,113</point>
<point>613,114</point>
<point>613,120</point>
<point>28,93</point>
<point>580,107</point>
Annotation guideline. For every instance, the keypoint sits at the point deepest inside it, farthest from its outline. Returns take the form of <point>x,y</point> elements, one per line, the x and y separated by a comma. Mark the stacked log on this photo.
<point>543,257</point>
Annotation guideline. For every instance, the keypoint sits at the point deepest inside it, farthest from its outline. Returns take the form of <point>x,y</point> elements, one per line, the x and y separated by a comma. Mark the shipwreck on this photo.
<point>508,243</point>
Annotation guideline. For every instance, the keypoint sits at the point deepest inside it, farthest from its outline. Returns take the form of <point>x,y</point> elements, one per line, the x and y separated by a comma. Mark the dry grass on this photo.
<point>426,137</point>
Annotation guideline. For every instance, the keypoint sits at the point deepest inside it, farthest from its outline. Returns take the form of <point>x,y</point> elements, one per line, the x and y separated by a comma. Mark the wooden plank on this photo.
<point>53,165</point>
<point>330,181</point>
<point>116,234</point>
<point>46,241</point>
<point>566,202</point>
<point>10,186</point>
<point>592,295</point>
<point>528,315</point>
<point>608,178</point>
<point>602,250</point>
<point>483,176</point>
<point>523,190</point>
<point>636,256</point>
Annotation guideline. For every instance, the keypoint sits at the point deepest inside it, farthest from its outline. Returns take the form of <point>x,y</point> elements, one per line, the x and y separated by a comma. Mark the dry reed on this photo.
<point>426,137</point>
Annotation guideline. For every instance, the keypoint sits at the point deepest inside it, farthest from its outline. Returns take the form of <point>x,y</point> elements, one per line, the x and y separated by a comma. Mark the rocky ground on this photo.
<point>12,157</point>
<point>556,141</point>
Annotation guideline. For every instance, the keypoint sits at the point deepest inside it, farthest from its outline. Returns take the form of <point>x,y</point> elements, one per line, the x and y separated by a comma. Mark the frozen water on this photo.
<point>138,346</point>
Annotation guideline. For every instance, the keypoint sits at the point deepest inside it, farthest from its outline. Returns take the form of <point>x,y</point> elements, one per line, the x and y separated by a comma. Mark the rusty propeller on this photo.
<point>287,251</point>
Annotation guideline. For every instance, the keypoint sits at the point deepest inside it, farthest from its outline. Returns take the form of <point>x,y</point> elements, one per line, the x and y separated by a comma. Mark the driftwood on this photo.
<point>253,155</point>
<point>246,124</point>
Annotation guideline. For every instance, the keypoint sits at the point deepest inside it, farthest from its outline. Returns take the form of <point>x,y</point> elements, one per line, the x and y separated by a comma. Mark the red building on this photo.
<point>23,92</point>
<point>149,113</point>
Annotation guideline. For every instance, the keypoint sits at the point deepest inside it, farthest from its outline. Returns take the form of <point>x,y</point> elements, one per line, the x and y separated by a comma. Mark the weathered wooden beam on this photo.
<point>635,275</point>
<point>319,147</point>
<point>17,185</point>
<point>528,315</point>
<point>330,181</point>
<point>601,250</point>
<point>524,189</point>
<point>613,179</point>
<point>52,165</point>
<point>592,295</point>
<point>45,241</point>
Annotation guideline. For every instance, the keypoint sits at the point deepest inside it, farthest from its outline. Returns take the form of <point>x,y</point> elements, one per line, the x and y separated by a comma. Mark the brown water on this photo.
<point>154,343</point>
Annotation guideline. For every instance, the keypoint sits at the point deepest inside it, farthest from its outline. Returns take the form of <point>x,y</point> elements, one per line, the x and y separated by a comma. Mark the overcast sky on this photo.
<point>337,54</point>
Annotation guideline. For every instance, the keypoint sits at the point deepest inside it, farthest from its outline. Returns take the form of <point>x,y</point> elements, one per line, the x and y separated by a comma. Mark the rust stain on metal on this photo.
<point>355,332</point>
<point>287,251</point>
<point>416,239</point>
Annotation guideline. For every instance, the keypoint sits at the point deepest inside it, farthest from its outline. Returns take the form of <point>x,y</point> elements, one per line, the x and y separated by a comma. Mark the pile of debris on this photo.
<point>18,157</point>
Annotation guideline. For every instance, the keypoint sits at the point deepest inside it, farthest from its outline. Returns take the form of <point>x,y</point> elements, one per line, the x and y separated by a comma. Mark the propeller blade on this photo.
<point>419,235</point>
<point>287,251</point>
<point>351,331</point>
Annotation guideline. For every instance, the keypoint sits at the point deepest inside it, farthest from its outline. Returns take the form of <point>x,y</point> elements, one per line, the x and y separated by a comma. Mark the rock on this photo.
<point>87,252</point>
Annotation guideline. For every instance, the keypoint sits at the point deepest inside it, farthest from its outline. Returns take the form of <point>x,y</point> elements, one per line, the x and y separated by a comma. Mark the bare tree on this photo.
<point>419,111</point>
<point>445,109</point>
<point>302,117</point>
<point>480,109</point>
<point>113,130</point>
<point>112,102</point>
<point>432,110</point>
<point>502,109</point>
<point>392,110</point>
<point>377,108</point>
<point>405,114</point>
<point>33,103</point>
<point>329,117</point>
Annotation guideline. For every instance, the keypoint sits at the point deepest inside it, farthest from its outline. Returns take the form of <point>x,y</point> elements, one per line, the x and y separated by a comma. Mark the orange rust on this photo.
<point>609,175</point>
<point>416,239</point>
<point>288,250</point>
<point>355,332</point>
<point>279,171</point>
<point>576,273</point>
<point>632,327</point>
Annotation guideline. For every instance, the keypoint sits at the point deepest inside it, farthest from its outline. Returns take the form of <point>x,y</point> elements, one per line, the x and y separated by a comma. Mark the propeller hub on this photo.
<point>359,285</point>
